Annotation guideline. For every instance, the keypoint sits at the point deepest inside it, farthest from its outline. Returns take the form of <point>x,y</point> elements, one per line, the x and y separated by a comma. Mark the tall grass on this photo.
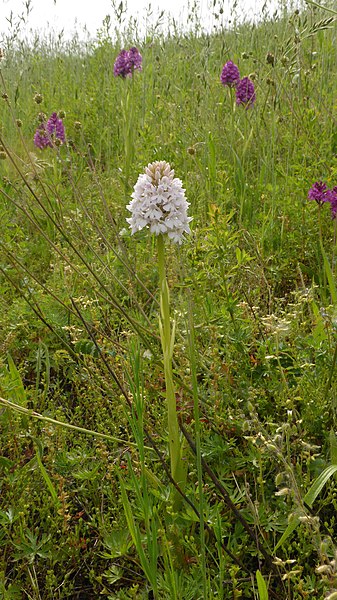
<point>86,505</point>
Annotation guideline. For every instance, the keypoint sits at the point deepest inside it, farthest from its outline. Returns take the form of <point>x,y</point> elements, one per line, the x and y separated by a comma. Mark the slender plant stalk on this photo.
<point>65,425</point>
<point>178,465</point>
<point>193,364</point>
<point>128,122</point>
<point>323,271</point>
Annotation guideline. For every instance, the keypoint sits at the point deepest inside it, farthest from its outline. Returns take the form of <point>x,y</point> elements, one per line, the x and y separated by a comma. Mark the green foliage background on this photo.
<point>79,315</point>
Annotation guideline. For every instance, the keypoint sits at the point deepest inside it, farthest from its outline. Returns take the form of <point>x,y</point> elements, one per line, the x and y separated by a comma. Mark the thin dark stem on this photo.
<point>137,326</point>
<point>153,444</point>
<point>230,503</point>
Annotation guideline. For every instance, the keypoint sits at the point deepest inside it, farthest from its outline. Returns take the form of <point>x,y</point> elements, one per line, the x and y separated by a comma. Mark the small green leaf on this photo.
<point>11,593</point>
<point>319,484</point>
<point>261,586</point>
<point>6,463</point>
<point>8,517</point>
<point>293,522</point>
<point>87,474</point>
<point>117,543</point>
<point>308,499</point>
<point>16,383</point>
<point>47,479</point>
<point>86,347</point>
<point>113,574</point>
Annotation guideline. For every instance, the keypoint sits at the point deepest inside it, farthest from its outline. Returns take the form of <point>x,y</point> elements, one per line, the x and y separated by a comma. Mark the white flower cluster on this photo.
<point>159,202</point>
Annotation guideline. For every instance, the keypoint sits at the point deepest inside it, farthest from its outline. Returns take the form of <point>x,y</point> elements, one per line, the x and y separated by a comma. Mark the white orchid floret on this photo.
<point>159,202</point>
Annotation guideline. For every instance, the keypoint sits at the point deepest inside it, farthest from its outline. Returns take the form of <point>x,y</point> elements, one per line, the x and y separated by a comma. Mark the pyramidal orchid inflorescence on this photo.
<point>320,193</point>
<point>332,198</point>
<point>41,138</point>
<point>127,62</point>
<point>47,134</point>
<point>245,92</point>
<point>55,128</point>
<point>244,88</point>
<point>230,75</point>
<point>159,203</point>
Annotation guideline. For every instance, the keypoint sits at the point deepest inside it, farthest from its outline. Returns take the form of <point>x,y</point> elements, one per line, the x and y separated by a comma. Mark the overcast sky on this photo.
<point>64,14</point>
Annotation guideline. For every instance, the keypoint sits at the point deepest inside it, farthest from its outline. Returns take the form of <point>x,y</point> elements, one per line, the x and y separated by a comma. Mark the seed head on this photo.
<point>270,59</point>
<point>38,98</point>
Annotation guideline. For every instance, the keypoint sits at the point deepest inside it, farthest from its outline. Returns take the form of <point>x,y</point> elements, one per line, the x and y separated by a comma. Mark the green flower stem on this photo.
<point>178,465</point>
<point>127,104</point>
<point>323,278</point>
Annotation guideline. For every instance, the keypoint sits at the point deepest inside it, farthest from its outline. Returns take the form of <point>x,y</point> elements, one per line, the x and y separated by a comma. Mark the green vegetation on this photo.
<point>86,505</point>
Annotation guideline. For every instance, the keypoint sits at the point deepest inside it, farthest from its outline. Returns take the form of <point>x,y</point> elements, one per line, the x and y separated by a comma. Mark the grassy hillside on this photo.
<point>88,505</point>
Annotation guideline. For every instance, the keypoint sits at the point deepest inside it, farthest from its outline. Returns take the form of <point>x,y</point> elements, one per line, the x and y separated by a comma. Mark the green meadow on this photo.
<point>110,341</point>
